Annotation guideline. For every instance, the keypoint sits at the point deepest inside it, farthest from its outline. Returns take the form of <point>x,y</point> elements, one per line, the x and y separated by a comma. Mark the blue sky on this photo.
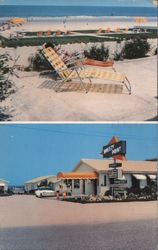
<point>79,2</point>
<point>31,150</point>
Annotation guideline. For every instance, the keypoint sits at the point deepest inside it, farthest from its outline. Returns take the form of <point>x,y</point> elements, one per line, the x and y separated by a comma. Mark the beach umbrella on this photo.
<point>140,19</point>
<point>17,20</point>
<point>58,32</point>
<point>40,33</point>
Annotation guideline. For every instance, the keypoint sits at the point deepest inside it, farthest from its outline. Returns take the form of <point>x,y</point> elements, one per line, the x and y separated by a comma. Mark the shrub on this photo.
<point>135,48</point>
<point>3,115</point>
<point>38,62</point>
<point>118,56</point>
<point>95,53</point>
<point>134,190</point>
<point>5,83</point>
<point>107,193</point>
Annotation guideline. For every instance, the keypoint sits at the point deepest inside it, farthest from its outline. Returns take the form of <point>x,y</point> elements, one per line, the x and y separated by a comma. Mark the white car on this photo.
<point>45,192</point>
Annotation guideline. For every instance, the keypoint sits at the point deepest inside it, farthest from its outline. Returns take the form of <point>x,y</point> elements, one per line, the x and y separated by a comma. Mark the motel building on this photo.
<point>32,185</point>
<point>93,176</point>
<point>3,186</point>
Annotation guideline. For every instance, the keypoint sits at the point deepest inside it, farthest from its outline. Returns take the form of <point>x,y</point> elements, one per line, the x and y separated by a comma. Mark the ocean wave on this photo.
<point>72,18</point>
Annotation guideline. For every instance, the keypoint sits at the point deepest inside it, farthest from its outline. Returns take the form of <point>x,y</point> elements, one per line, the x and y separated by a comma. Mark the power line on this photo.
<point>76,133</point>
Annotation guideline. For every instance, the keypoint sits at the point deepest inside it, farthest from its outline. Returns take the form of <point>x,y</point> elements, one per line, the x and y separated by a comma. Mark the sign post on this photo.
<point>115,149</point>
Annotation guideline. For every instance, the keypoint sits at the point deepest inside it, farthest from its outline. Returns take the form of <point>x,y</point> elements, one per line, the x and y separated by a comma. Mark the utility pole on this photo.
<point>157,181</point>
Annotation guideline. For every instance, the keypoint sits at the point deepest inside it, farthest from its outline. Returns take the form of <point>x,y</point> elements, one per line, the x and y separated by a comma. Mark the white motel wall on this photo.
<point>93,177</point>
<point>137,170</point>
<point>3,185</point>
<point>33,184</point>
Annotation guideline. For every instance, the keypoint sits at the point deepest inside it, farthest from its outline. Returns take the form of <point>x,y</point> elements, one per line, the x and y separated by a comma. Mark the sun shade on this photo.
<point>79,175</point>
<point>152,176</point>
<point>17,20</point>
<point>2,185</point>
<point>140,19</point>
<point>139,176</point>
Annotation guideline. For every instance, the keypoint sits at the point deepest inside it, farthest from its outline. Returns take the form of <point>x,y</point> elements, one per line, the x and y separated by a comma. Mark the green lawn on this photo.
<point>36,41</point>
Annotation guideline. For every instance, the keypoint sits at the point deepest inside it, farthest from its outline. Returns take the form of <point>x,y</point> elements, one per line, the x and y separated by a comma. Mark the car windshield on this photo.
<point>45,188</point>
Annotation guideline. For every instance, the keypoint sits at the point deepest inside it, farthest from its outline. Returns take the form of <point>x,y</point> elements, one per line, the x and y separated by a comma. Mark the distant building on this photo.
<point>3,186</point>
<point>95,177</point>
<point>51,180</point>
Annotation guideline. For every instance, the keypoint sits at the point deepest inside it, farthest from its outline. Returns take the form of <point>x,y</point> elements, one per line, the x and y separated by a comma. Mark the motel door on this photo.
<point>95,187</point>
<point>83,186</point>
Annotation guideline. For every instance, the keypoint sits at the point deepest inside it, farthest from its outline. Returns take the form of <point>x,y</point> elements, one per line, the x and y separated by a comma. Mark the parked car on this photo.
<point>18,190</point>
<point>45,192</point>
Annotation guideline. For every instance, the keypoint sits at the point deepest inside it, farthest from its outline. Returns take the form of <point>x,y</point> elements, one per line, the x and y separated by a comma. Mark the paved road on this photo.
<point>135,235</point>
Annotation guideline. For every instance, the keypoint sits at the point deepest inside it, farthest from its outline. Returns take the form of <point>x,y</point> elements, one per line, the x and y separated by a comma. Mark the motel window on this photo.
<point>111,180</point>
<point>76,183</point>
<point>68,182</point>
<point>105,180</point>
<point>98,182</point>
<point>135,183</point>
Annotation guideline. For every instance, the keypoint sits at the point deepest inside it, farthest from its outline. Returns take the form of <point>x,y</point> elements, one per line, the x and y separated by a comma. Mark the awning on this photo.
<point>139,176</point>
<point>78,175</point>
<point>123,178</point>
<point>152,176</point>
<point>2,185</point>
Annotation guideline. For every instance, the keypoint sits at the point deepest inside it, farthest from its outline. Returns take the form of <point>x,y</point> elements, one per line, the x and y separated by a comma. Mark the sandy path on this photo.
<point>19,211</point>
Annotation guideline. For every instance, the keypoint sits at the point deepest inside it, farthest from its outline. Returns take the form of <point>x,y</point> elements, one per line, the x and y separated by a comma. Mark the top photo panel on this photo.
<point>71,60</point>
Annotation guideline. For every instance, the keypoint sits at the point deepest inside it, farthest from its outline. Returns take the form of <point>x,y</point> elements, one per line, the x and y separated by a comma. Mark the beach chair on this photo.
<point>48,33</point>
<point>58,32</point>
<point>68,32</point>
<point>40,33</point>
<point>80,72</point>
<point>99,31</point>
<point>108,29</point>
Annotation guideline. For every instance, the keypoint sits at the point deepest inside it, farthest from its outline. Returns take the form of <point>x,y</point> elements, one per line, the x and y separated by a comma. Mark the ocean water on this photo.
<point>61,11</point>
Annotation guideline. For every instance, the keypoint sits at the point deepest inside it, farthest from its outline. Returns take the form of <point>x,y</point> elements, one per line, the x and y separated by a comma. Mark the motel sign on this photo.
<point>117,148</point>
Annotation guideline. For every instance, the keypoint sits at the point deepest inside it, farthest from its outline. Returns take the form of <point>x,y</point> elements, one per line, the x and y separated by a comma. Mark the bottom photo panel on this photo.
<point>79,186</point>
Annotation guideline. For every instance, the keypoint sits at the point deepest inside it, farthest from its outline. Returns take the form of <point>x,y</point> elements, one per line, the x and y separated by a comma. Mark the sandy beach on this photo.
<point>33,100</point>
<point>78,23</point>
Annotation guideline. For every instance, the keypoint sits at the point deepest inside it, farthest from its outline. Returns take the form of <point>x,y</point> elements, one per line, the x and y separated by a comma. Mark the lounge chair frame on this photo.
<point>77,71</point>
